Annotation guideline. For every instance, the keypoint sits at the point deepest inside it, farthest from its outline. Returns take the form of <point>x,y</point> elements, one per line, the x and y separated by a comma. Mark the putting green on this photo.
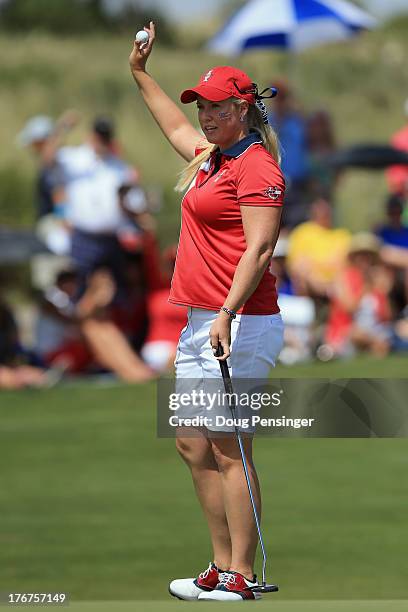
<point>95,505</point>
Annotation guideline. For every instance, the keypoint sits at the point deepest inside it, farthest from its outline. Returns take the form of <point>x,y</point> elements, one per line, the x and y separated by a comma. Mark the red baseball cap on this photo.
<point>220,83</point>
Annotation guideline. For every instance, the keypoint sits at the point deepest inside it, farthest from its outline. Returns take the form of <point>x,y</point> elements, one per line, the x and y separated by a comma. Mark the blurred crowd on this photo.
<point>340,294</point>
<point>104,281</point>
<point>103,305</point>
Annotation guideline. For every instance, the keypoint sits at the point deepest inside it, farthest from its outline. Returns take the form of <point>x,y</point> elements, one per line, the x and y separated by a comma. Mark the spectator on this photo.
<point>107,342</point>
<point>141,264</point>
<point>93,174</point>
<point>80,336</point>
<point>394,233</point>
<point>44,138</point>
<point>18,367</point>
<point>133,204</point>
<point>278,267</point>
<point>394,252</point>
<point>298,312</point>
<point>398,175</point>
<point>129,309</point>
<point>397,260</point>
<point>316,251</point>
<point>321,143</point>
<point>360,310</point>
<point>400,335</point>
<point>166,320</point>
<point>58,336</point>
<point>291,130</point>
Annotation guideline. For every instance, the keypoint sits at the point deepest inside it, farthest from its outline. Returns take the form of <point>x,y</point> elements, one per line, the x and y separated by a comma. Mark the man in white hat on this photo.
<point>43,136</point>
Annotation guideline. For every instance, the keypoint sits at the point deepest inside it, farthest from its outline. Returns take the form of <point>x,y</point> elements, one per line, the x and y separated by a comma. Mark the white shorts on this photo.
<point>256,341</point>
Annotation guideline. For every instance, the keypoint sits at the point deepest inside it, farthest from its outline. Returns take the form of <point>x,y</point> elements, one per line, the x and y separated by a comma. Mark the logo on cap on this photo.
<point>207,76</point>
<point>273,192</point>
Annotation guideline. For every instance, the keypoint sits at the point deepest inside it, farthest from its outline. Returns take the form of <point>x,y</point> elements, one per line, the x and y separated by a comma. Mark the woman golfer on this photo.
<point>230,223</point>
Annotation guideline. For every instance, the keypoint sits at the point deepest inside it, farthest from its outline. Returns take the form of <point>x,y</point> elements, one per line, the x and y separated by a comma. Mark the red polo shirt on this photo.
<point>212,237</point>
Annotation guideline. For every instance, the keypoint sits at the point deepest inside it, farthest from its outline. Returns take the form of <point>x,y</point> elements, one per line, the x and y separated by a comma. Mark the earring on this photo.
<point>242,119</point>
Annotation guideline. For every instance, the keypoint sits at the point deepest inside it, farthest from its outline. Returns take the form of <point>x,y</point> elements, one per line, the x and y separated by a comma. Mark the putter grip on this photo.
<point>220,350</point>
<point>223,365</point>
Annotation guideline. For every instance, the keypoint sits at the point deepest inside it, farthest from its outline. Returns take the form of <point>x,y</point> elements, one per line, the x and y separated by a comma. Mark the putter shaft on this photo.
<point>229,389</point>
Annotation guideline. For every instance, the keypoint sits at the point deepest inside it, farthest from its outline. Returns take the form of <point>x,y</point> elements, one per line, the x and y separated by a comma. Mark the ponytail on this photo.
<point>267,133</point>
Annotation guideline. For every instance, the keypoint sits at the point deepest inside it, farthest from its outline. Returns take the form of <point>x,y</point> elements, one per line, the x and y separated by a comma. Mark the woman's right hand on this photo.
<point>141,51</point>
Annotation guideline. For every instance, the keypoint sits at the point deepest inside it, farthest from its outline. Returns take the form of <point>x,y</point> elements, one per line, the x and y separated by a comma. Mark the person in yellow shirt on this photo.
<point>316,251</point>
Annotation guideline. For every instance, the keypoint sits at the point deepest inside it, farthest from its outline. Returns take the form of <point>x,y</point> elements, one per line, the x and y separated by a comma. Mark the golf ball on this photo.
<point>142,37</point>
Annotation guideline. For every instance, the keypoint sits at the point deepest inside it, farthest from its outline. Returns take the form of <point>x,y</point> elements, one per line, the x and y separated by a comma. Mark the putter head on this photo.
<point>265,588</point>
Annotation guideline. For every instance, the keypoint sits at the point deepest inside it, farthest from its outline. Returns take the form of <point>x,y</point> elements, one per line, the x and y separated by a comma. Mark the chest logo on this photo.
<point>207,76</point>
<point>273,192</point>
<point>219,175</point>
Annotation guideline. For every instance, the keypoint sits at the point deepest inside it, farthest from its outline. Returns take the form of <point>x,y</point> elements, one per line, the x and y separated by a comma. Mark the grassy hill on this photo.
<point>362,83</point>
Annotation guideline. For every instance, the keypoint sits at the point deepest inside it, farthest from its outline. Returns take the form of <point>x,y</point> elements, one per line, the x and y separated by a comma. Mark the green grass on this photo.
<point>359,82</point>
<point>394,366</point>
<point>94,504</point>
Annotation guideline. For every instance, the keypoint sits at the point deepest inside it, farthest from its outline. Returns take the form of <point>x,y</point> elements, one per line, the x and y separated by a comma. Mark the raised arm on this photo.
<point>183,137</point>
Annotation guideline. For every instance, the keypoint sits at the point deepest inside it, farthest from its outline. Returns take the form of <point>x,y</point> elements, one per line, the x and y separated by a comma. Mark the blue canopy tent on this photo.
<point>293,25</point>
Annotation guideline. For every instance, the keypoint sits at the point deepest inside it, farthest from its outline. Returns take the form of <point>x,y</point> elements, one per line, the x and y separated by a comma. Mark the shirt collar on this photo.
<point>242,145</point>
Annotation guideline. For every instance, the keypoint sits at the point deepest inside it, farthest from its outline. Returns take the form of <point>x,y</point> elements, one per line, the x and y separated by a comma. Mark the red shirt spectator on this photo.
<point>358,298</point>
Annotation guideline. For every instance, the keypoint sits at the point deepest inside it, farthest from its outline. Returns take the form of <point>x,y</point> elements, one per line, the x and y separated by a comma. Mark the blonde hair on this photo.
<point>255,122</point>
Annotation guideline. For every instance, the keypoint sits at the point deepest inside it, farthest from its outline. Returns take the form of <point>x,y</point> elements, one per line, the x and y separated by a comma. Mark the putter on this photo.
<point>264,587</point>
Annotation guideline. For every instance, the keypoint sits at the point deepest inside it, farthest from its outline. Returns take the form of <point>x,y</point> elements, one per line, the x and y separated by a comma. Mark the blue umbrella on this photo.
<point>294,25</point>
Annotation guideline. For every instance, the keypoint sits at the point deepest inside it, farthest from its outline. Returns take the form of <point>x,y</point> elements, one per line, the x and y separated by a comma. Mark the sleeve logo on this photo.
<point>272,192</point>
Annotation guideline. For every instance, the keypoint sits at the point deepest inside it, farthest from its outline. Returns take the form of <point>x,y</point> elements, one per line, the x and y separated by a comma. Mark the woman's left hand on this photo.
<point>220,333</point>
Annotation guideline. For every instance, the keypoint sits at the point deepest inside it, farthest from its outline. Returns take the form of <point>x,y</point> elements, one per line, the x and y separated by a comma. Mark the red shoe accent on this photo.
<point>234,582</point>
<point>208,580</point>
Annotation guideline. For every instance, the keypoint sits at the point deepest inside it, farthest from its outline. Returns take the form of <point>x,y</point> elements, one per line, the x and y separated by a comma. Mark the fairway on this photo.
<point>93,504</point>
